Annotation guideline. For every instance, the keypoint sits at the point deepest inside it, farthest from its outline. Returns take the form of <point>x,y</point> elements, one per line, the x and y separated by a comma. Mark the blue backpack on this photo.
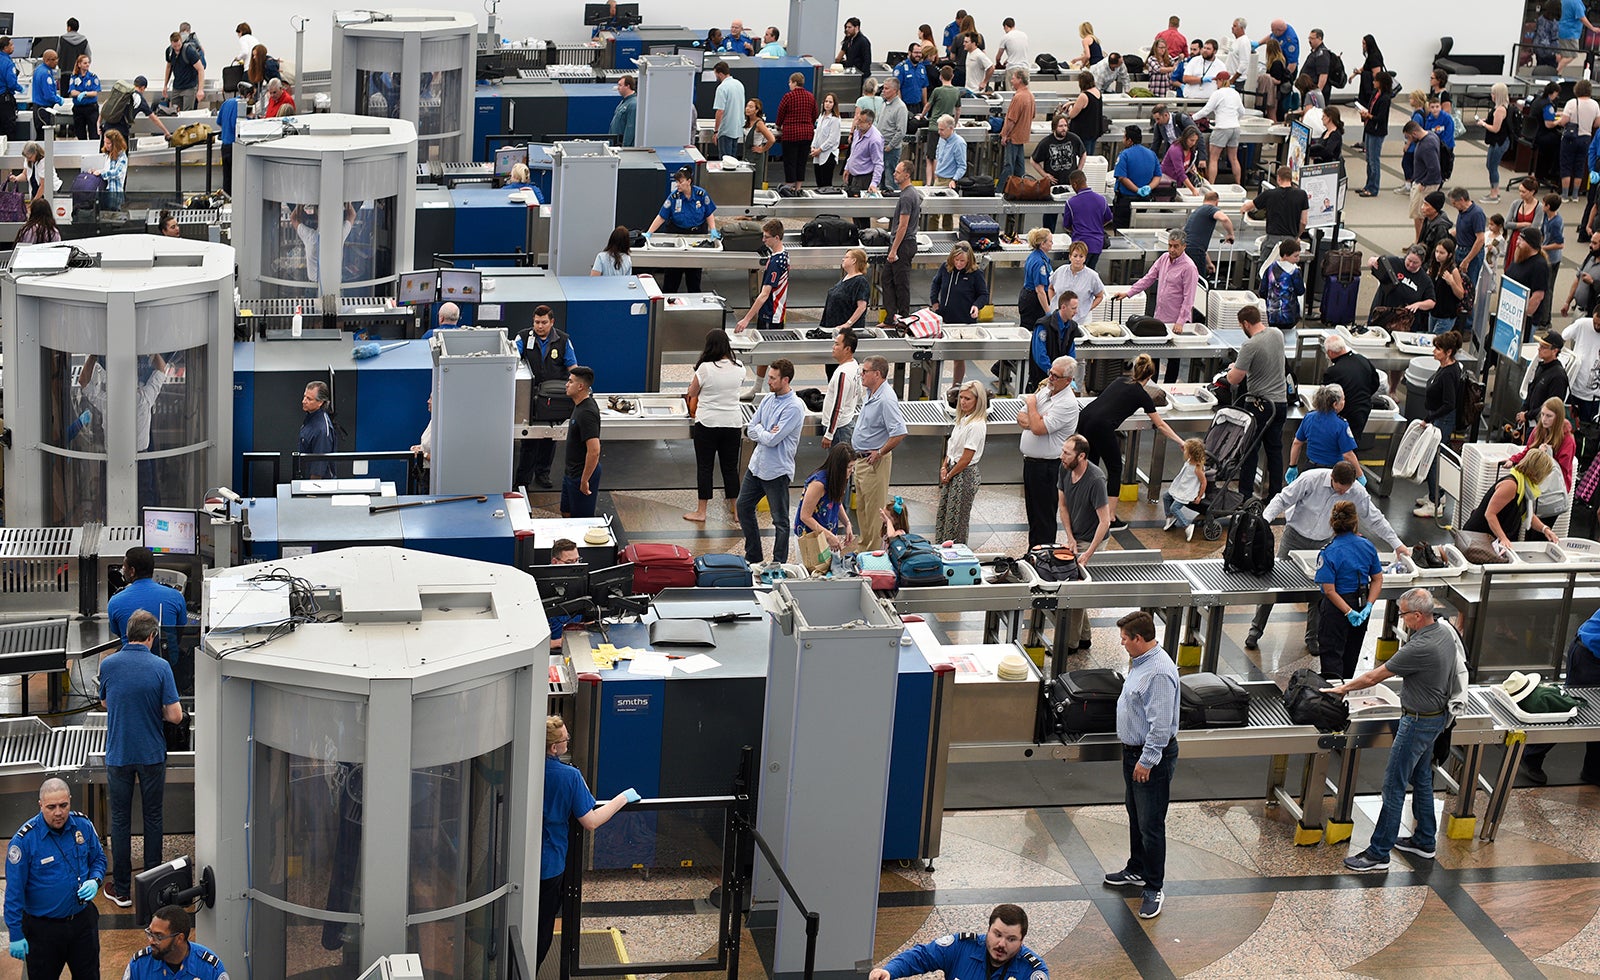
<point>916,561</point>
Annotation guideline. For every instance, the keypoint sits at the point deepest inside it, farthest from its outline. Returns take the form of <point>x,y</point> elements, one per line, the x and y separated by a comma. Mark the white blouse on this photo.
<point>718,406</point>
<point>826,138</point>
<point>967,434</point>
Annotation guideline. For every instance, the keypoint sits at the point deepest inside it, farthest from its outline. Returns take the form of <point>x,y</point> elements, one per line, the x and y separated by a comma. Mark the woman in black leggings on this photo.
<point>1102,416</point>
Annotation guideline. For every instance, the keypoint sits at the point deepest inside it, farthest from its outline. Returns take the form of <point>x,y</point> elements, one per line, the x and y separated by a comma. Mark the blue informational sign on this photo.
<point>1508,318</point>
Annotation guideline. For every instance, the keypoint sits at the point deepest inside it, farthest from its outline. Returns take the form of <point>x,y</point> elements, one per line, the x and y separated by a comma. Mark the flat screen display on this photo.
<point>418,288</point>
<point>460,285</point>
<point>172,532</point>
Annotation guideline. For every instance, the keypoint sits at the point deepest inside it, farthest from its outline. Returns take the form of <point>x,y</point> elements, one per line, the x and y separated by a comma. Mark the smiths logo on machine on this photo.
<point>630,704</point>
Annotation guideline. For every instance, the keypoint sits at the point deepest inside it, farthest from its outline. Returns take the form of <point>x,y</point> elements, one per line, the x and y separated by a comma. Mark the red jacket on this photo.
<point>797,116</point>
<point>1566,453</point>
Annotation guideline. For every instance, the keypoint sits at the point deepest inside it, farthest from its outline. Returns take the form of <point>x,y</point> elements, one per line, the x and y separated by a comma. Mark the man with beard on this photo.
<point>998,952</point>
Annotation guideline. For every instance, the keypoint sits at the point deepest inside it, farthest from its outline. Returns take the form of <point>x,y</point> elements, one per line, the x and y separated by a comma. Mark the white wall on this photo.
<point>128,38</point>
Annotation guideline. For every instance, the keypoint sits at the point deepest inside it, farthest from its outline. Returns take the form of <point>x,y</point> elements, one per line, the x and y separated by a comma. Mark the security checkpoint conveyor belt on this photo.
<point>30,750</point>
<point>1518,734</point>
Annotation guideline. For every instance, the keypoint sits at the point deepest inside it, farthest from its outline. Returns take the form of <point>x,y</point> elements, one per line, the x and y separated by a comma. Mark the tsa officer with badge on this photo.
<point>170,955</point>
<point>689,210</point>
<point>54,867</point>
<point>995,955</point>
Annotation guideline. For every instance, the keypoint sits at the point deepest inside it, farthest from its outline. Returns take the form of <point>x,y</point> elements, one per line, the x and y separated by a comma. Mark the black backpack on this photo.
<point>1470,405</point>
<point>1338,77</point>
<point>1249,547</point>
<point>829,230</point>
<point>1308,704</point>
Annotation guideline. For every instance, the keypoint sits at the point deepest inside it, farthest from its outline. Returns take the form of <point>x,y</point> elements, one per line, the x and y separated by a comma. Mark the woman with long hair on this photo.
<point>1371,66</point>
<point>1496,135</point>
<point>41,224</point>
<point>1091,47</point>
<point>824,509</point>
<point>1180,165</point>
<point>758,139</point>
<point>846,302</point>
<point>1374,127</point>
<point>958,470</point>
<point>718,420</point>
<point>1161,66</point>
<point>1445,390</point>
<point>1328,146</point>
<point>1509,506</point>
<point>1274,82</point>
<point>1554,432</point>
<point>825,140</point>
<point>115,171</point>
<point>262,69</point>
<point>616,259</point>
<point>1449,287</point>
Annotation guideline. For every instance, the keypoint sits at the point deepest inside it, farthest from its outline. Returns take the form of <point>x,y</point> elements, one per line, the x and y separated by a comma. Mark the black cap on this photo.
<point>1553,338</point>
<point>1435,200</point>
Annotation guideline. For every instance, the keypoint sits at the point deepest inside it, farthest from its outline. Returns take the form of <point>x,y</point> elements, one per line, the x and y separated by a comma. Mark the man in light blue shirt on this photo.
<point>775,428</point>
<point>729,106</point>
<point>879,428</point>
<point>770,48</point>
<point>1147,727</point>
<point>950,161</point>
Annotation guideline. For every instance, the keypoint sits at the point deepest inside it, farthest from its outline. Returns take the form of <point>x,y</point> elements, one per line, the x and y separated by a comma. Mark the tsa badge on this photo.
<point>14,854</point>
<point>79,836</point>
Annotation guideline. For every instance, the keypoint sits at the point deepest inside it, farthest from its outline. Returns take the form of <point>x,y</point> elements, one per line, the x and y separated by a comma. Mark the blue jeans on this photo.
<point>1178,510</point>
<point>152,788</point>
<point>776,490</point>
<point>891,159</point>
<point>1373,147</point>
<point>576,503</point>
<point>1433,470</point>
<point>1410,763</point>
<point>1147,814</point>
<point>728,146</point>
<point>1012,164</point>
<point>1492,161</point>
<point>1477,262</point>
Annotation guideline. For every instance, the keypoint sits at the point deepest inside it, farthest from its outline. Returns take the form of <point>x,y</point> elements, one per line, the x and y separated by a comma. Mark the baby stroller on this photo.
<point>1233,438</point>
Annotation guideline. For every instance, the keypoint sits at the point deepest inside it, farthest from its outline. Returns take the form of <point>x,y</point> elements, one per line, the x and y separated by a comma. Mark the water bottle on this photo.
<point>296,323</point>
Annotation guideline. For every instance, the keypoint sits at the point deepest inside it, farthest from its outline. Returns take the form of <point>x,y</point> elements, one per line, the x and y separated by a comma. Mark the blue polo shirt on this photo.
<point>1289,44</point>
<point>136,686</point>
<point>1349,562</point>
<point>1589,634</point>
<point>45,91</point>
<point>161,601</point>
<point>1138,164</point>
<point>566,798</point>
<point>1327,438</point>
<point>688,212</point>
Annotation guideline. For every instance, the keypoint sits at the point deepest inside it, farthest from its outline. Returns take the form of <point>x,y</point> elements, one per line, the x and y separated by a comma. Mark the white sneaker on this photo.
<point>1171,523</point>
<point>1426,510</point>
<point>1421,501</point>
<point>1403,189</point>
<point>1188,533</point>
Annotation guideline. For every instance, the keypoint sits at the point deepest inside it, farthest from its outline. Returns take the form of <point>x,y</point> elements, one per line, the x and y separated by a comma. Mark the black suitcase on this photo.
<point>979,227</point>
<point>829,230</point>
<point>975,185</point>
<point>1084,702</point>
<point>1307,703</point>
<point>1212,701</point>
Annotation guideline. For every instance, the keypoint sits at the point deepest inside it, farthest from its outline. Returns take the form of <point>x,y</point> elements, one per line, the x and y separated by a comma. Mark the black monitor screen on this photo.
<point>608,584</point>
<point>43,44</point>
<point>8,22</point>
<point>560,583</point>
<point>155,887</point>
<point>596,14</point>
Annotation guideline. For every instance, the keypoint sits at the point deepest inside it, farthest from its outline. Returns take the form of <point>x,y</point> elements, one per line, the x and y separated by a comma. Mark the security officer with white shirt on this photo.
<point>688,210</point>
<point>995,955</point>
<point>54,867</point>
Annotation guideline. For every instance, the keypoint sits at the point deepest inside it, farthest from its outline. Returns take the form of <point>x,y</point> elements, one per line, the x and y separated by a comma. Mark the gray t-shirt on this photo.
<point>909,203</point>
<point>1261,359</point>
<point>1084,500</point>
<point>1426,661</point>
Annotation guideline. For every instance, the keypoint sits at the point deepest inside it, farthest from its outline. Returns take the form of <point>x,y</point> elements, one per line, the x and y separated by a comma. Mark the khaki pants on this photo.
<point>872,492</point>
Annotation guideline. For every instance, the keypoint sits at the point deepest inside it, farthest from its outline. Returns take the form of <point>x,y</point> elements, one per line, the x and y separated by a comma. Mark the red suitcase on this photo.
<point>660,566</point>
<point>877,569</point>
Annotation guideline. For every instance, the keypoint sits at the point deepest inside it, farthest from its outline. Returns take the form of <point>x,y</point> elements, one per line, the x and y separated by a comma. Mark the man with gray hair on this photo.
<point>949,162</point>
<point>1239,61</point>
<point>1359,379</point>
<point>1047,418</point>
<point>1175,277</point>
<point>880,426</point>
<point>1017,129</point>
<point>1427,662</point>
<point>892,124</point>
<point>54,867</point>
<point>1307,503</point>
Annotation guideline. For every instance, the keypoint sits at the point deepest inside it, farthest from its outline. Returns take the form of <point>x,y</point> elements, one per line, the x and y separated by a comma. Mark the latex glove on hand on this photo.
<point>1144,191</point>
<point>631,795</point>
<point>716,235</point>
<point>1594,176</point>
<point>88,890</point>
<point>19,949</point>
<point>647,237</point>
<point>1290,475</point>
<point>1366,614</point>
<point>1354,617</point>
<point>1362,479</point>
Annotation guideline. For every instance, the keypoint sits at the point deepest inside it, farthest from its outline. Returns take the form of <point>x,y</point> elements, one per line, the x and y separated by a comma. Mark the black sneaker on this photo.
<point>1534,770</point>
<point>1365,861</point>
<point>1410,846</point>
<point>543,479</point>
<point>120,901</point>
<point>1118,524</point>
<point>1252,640</point>
<point>1124,877</point>
<point>1151,906</point>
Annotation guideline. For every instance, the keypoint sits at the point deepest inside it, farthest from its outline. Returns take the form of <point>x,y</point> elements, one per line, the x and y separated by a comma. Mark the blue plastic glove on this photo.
<point>647,237</point>
<point>1254,45</point>
<point>1366,613</point>
<point>1355,618</point>
<point>631,795</point>
<point>88,890</point>
<point>1594,177</point>
<point>1144,191</point>
<point>716,235</point>
<point>1291,474</point>
<point>19,949</point>
<point>1362,479</point>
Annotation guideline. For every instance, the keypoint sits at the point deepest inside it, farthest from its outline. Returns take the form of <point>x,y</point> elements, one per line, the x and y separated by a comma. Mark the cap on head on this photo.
<point>1553,338</point>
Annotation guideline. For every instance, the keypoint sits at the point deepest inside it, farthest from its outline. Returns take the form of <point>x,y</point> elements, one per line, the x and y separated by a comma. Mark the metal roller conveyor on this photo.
<point>1269,732</point>
<point>1518,734</point>
<point>1126,578</point>
<point>1216,588</point>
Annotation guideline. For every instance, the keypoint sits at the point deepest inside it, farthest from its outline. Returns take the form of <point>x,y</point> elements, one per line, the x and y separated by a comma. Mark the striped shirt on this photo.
<point>776,277</point>
<point>1147,710</point>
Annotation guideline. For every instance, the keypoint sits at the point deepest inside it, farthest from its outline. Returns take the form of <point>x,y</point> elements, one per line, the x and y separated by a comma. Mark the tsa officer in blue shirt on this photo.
<point>54,867</point>
<point>46,93</point>
<point>1343,565</point>
<point>689,210</point>
<point>10,88</point>
<point>170,955</point>
<point>1324,437</point>
<point>997,954</point>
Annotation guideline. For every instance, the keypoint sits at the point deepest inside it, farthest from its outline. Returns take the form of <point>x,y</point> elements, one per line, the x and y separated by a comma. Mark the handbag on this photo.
<point>1392,318</point>
<point>814,553</point>
<point>1055,563</point>
<point>1028,188</point>
<point>12,206</point>
<point>1478,547</point>
<point>1553,499</point>
<point>923,324</point>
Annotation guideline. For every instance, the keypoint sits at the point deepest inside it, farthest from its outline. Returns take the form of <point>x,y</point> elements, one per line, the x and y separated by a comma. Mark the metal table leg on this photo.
<point>1499,795</point>
<point>1213,640</point>
<point>1339,827</point>
<point>1461,823</point>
